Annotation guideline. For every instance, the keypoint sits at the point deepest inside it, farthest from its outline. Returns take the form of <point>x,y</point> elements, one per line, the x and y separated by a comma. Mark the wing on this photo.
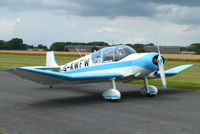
<point>168,73</point>
<point>50,77</point>
<point>175,70</point>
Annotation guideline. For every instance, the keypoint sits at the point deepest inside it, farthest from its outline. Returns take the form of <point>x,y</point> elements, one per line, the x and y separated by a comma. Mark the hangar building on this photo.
<point>164,49</point>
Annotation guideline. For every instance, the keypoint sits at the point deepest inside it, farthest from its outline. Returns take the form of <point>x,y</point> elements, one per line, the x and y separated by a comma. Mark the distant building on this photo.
<point>188,52</point>
<point>82,48</point>
<point>164,49</point>
<point>35,49</point>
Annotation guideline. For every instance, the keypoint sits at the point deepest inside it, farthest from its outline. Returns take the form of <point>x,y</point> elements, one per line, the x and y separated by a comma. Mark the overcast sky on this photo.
<point>170,22</point>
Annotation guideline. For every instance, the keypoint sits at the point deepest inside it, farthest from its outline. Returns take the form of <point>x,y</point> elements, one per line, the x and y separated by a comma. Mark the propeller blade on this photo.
<point>162,74</point>
<point>161,69</point>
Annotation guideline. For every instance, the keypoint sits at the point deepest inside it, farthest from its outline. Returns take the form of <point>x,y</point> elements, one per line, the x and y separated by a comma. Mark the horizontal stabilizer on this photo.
<point>175,70</point>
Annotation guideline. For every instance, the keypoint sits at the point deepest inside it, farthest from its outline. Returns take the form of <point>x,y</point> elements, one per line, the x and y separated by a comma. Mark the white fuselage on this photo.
<point>85,65</point>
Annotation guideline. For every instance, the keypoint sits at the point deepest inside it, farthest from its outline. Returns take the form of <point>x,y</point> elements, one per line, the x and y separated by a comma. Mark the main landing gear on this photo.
<point>148,90</point>
<point>113,93</point>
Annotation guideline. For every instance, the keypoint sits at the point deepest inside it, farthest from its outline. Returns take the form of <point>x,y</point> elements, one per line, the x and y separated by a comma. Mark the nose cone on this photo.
<point>151,61</point>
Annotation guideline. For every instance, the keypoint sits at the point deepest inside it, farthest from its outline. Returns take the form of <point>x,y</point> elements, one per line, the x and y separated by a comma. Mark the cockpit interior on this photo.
<point>111,54</point>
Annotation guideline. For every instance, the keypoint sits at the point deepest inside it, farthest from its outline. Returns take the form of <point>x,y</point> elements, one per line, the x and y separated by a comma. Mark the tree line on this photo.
<point>194,47</point>
<point>60,46</point>
<point>18,44</point>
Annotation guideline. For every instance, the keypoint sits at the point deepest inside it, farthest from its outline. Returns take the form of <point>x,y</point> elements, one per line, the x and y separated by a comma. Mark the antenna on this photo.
<point>78,51</point>
<point>112,42</point>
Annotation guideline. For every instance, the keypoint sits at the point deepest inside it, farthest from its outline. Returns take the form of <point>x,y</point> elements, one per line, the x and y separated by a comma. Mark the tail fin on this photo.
<point>50,60</point>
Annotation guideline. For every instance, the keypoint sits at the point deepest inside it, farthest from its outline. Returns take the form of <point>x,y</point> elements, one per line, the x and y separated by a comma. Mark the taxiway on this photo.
<point>29,108</point>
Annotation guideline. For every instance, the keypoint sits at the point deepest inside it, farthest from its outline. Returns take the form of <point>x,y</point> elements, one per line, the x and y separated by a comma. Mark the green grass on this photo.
<point>10,61</point>
<point>188,79</point>
<point>1,132</point>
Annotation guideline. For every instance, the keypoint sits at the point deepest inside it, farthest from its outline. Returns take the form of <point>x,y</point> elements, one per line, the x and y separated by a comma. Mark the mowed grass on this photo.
<point>10,61</point>
<point>188,79</point>
<point>1,132</point>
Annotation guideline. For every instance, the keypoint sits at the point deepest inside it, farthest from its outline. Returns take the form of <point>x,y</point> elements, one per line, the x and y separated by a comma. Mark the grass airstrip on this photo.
<point>188,79</point>
<point>1,132</point>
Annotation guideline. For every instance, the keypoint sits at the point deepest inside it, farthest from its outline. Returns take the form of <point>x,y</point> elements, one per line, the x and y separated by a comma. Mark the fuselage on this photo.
<point>133,64</point>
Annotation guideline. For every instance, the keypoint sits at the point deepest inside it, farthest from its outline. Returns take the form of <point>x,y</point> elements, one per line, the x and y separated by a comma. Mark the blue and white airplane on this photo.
<point>120,63</point>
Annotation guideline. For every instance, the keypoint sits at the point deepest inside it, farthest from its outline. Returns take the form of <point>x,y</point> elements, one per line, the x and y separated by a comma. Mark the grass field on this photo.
<point>1,132</point>
<point>42,53</point>
<point>188,79</point>
<point>10,61</point>
<point>182,57</point>
<point>169,57</point>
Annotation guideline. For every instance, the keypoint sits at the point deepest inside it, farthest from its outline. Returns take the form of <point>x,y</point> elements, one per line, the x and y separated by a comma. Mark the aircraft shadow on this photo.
<point>96,98</point>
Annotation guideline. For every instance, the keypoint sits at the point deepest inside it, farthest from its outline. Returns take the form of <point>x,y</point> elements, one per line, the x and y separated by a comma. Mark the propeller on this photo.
<point>161,69</point>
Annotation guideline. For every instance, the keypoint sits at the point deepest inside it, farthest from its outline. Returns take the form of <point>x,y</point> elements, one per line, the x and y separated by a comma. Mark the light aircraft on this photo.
<point>120,63</point>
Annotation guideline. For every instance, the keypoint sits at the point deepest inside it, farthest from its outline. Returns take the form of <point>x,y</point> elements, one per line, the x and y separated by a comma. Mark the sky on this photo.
<point>163,22</point>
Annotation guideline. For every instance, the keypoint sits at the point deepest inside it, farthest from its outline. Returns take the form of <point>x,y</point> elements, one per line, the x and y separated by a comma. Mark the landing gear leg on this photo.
<point>113,93</point>
<point>148,90</point>
<point>50,86</point>
<point>146,84</point>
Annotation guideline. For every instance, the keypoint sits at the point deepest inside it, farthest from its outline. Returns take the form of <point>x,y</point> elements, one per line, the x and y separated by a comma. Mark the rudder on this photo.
<point>50,59</point>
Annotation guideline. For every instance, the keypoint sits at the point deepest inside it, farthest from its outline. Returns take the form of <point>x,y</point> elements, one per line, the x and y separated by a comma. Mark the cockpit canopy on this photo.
<point>110,54</point>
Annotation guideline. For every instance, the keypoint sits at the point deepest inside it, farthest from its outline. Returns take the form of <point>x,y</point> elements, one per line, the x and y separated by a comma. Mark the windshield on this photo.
<point>107,54</point>
<point>96,57</point>
<point>110,54</point>
<point>123,51</point>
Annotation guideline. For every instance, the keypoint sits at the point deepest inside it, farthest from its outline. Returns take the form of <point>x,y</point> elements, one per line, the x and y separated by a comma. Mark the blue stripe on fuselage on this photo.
<point>144,62</point>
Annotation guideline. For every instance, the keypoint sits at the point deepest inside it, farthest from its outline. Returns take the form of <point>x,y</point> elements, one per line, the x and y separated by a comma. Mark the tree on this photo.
<point>40,46</point>
<point>136,46</point>
<point>15,44</point>
<point>98,43</point>
<point>24,47</point>
<point>140,50</point>
<point>198,51</point>
<point>95,43</point>
<point>150,44</point>
<point>195,47</point>
<point>58,46</point>
<point>139,47</point>
<point>2,46</point>
<point>30,46</point>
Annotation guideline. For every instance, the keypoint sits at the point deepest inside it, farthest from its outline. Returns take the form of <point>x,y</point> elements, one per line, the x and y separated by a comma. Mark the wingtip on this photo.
<point>188,66</point>
<point>9,69</point>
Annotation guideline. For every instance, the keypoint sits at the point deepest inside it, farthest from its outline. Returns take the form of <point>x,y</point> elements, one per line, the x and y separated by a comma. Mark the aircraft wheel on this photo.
<point>149,91</point>
<point>111,95</point>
